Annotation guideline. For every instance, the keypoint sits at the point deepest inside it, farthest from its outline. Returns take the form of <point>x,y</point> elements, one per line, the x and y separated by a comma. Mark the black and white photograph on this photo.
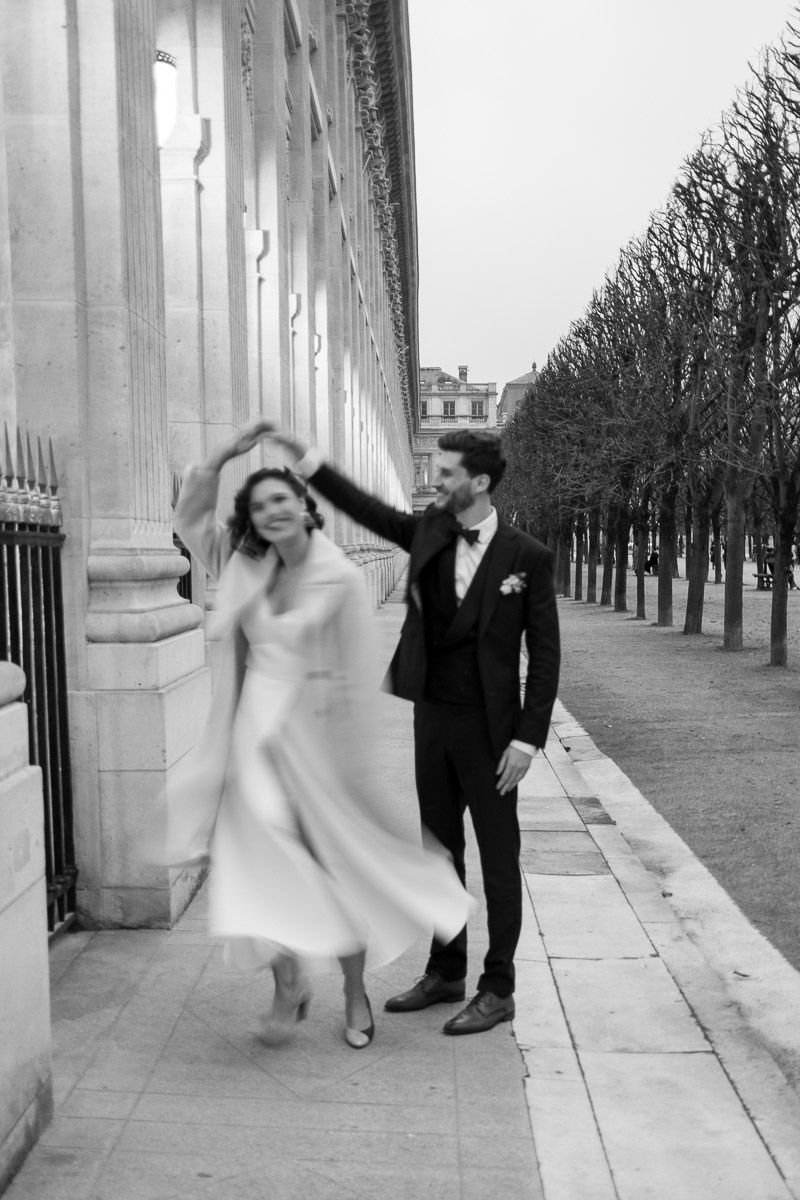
<point>399,600</point>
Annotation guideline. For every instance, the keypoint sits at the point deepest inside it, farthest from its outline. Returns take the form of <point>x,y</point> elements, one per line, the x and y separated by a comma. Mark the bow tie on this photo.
<point>470,536</point>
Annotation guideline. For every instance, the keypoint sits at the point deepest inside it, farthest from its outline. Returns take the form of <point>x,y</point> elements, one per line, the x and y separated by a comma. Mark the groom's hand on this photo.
<point>297,448</point>
<point>240,442</point>
<point>512,768</point>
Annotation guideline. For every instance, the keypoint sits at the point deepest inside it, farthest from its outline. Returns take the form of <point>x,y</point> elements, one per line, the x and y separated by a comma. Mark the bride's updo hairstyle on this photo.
<point>243,536</point>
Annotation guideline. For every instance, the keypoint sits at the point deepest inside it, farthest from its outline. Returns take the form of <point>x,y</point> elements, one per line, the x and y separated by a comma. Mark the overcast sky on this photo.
<point>546,132</point>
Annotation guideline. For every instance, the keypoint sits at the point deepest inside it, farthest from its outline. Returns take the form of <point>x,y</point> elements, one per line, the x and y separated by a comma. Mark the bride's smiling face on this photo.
<point>276,512</point>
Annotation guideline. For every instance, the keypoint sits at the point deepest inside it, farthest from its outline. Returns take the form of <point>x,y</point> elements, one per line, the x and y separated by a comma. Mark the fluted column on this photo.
<point>146,687</point>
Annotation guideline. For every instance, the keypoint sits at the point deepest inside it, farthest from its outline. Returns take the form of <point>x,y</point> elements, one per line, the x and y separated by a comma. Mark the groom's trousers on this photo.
<point>456,770</point>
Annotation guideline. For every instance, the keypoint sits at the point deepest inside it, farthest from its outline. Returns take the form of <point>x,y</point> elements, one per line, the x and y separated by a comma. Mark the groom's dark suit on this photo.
<point>460,664</point>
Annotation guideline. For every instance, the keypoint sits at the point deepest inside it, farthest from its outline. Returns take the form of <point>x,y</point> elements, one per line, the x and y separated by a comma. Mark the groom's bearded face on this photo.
<point>454,486</point>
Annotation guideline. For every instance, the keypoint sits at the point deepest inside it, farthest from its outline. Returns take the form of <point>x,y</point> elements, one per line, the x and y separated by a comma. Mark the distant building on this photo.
<point>446,402</point>
<point>514,393</point>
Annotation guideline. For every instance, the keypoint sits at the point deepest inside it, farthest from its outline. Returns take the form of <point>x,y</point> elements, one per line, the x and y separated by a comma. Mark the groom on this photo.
<point>476,588</point>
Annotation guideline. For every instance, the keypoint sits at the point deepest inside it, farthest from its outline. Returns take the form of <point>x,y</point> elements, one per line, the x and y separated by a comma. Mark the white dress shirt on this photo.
<point>468,557</point>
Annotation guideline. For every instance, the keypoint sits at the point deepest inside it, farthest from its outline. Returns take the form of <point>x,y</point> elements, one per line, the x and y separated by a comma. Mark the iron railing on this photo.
<point>32,636</point>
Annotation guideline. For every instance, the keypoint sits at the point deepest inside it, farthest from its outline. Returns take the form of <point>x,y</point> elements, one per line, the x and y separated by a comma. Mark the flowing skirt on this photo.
<point>302,864</point>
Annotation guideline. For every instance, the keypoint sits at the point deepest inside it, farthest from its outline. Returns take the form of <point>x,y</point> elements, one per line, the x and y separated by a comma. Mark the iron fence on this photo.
<point>32,636</point>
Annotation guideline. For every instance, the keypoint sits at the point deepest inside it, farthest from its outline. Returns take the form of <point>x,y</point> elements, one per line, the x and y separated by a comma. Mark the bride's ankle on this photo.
<point>287,975</point>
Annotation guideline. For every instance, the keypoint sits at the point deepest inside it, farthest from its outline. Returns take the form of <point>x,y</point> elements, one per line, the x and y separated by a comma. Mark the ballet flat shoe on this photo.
<point>359,1039</point>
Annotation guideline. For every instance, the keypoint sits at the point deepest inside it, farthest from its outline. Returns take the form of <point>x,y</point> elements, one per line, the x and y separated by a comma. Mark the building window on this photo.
<point>449,410</point>
<point>421,470</point>
<point>477,408</point>
<point>423,409</point>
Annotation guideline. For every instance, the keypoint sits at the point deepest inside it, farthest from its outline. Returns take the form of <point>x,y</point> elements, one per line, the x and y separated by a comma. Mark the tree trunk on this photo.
<point>580,534</point>
<point>565,541</point>
<point>608,555</point>
<point>778,645</point>
<point>640,538</point>
<point>716,530</point>
<point>687,534</point>
<point>621,576</point>
<point>667,559</point>
<point>594,544</point>
<point>557,566</point>
<point>786,518</point>
<point>736,494</point>
<point>697,570</point>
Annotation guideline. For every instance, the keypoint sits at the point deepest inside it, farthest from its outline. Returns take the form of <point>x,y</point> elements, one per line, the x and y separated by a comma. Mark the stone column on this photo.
<point>26,1103</point>
<point>146,686</point>
<point>271,116</point>
<point>221,174</point>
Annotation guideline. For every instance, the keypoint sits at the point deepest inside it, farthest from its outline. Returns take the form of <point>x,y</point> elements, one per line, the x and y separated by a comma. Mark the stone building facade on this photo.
<point>514,393</point>
<point>446,402</point>
<point>207,213</point>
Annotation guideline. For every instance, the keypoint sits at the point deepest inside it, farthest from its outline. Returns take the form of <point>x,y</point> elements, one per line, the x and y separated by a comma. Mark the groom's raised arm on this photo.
<point>387,522</point>
<point>384,520</point>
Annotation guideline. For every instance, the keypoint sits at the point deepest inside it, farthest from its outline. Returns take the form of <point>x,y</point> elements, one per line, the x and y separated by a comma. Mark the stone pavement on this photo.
<point>628,1074</point>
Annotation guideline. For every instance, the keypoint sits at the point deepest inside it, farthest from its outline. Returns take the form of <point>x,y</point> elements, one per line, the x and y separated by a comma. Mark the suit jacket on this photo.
<point>506,616</point>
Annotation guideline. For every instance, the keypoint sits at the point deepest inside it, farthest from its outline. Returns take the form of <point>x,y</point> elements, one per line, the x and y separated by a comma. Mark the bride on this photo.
<point>306,864</point>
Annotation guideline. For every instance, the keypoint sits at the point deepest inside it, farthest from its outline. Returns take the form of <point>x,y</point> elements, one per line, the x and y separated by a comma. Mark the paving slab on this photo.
<point>626,1004</point>
<point>572,1159</point>
<point>586,917</point>
<point>673,1126</point>
<point>549,812</point>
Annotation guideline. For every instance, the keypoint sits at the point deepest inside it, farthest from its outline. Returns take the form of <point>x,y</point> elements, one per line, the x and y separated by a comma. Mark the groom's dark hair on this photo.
<point>481,452</point>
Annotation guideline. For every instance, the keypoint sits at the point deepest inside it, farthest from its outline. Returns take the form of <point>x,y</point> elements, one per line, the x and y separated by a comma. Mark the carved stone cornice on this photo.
<point>363,67</point>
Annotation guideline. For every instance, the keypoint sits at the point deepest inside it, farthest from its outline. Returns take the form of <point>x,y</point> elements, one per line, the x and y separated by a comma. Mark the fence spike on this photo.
<point>31,467</point>
<point>53,473</point>
<point>8,465</point>
<point>20,460</point>
<point>41,468</point>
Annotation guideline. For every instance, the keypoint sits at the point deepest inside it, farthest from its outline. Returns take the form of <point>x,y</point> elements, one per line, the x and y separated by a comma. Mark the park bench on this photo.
<point>765,579</point>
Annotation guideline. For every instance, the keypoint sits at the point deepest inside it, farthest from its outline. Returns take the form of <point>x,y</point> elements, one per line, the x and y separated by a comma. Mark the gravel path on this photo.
<point>712,739</point>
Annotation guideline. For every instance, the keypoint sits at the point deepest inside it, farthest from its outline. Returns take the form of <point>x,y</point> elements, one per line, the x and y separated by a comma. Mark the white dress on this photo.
<point>304,855</point>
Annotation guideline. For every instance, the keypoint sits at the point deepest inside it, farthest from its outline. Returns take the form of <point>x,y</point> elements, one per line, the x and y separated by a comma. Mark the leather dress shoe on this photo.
<point>484,1011</point>
<point>430,989</point>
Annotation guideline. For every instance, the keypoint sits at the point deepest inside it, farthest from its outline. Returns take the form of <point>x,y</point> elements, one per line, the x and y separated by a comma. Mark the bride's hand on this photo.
<point>249,435</point>
<point>240,442</point>
<point>297,448</point>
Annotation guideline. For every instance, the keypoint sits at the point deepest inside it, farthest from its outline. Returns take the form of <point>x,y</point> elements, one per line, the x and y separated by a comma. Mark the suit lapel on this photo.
<point>434,534</point>
<point>469,607</point>
<point>499,567</point>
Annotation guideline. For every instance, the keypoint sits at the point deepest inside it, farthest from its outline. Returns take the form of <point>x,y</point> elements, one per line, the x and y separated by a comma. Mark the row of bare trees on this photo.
<point>675,398</point>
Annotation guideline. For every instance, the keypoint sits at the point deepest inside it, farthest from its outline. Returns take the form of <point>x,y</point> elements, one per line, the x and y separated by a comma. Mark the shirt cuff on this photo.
<point>525,747</point>
<point>309,464</point>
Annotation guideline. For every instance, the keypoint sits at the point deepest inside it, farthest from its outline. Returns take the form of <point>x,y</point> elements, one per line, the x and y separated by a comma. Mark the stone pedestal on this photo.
<point>148,695</point>
<point>26,1098</point>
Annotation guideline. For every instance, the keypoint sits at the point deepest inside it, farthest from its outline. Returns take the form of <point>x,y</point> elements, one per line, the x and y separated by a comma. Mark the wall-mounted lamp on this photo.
<point>165,86</point>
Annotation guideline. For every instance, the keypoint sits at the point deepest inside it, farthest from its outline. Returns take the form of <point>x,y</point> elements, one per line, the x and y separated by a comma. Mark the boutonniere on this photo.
<point>514,584</point>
